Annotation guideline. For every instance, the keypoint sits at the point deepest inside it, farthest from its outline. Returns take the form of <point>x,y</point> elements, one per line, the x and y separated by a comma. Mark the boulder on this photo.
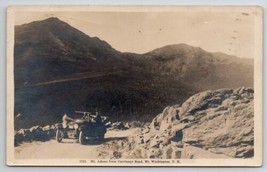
<point>119,126</point>
<point>154,153</point>
<point>27,135</point>
<point>18,139</point>
<point>167,152</point>
<point>146,137</point>
<point>139,152</point>
<point>228,127</point>
<point>38,134</point>
<point>171,152</point>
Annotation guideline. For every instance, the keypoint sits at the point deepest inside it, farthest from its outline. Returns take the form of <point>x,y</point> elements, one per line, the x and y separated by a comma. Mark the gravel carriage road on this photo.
<point>69,148</point>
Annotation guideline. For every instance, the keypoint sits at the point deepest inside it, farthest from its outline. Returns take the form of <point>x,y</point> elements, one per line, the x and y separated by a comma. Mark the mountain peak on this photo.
<point>59,32</point>
<point>52,19</point>
<point>43,23</point>
<point>177,48</point>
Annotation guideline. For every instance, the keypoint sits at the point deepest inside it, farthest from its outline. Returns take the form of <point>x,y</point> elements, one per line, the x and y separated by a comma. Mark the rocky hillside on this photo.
<point>211,124</point>
<point>196,67</point>
<point>51,49</point>
<point>60,69</point>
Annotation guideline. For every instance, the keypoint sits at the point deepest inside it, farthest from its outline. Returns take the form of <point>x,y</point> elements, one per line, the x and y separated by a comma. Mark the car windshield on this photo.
<point>81,114</point>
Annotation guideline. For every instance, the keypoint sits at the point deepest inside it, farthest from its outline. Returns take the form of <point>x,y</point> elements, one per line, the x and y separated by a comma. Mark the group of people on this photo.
<point>88,116</point>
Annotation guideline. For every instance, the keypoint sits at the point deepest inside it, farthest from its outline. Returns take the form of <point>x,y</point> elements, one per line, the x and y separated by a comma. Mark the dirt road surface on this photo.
<point>69,148</point>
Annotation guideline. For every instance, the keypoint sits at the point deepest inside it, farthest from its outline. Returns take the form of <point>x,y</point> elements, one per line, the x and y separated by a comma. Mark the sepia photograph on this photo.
<point>134,86</point>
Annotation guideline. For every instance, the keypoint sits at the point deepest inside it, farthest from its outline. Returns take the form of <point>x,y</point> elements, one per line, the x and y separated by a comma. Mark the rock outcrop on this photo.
<point>211,124</point>
<point>35,133</point>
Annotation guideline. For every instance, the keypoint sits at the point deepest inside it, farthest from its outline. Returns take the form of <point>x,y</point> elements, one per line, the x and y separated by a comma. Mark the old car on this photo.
<point>83,127</point>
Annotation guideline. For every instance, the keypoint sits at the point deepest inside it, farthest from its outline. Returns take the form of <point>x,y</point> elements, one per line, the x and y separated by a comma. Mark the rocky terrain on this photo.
<point>35,133</point>
<point>210,124</point>
<point>58,69</point>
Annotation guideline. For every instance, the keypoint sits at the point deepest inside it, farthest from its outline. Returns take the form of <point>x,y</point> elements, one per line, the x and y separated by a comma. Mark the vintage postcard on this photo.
<point>134,86</point>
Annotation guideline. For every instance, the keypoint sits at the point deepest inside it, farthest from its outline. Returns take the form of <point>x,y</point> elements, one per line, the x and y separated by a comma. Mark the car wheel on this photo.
<point>81,138</point>
<point>59,135</point>
<point>102,136</point>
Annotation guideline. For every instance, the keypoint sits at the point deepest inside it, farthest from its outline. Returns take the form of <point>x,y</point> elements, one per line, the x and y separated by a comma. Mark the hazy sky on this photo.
<point>140,32</point>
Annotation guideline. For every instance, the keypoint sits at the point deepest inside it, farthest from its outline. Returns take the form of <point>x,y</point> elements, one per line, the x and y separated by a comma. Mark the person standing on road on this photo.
<point>65,120</point>
<point>98,118</point>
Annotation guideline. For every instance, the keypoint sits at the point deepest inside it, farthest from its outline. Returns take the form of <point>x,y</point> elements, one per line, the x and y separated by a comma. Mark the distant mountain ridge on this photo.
<point>86,73</point>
